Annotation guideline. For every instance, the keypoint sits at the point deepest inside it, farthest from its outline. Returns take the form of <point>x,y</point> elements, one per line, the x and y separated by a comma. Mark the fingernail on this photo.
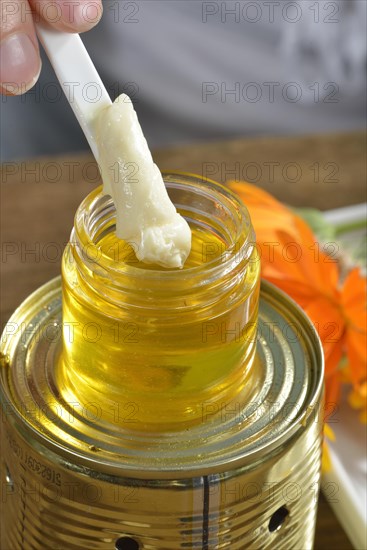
<point>20,64</point>
<point>86,14</point>
<point>82,15</point>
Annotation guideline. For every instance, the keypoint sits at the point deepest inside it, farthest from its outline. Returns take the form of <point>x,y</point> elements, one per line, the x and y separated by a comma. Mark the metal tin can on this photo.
<point>246,477</point>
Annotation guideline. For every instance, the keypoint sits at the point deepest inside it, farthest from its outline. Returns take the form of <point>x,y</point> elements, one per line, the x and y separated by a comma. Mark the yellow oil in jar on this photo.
<point>165,359</point>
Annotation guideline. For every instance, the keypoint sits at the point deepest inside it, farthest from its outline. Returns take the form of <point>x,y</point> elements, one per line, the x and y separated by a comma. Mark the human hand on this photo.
<point>20,63</point>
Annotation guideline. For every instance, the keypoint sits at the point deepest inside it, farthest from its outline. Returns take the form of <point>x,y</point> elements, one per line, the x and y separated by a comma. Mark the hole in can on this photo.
<point>126,543</point>
<point>278,518</point>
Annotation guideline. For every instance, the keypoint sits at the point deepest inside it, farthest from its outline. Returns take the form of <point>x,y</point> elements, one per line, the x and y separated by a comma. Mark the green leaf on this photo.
<point>350,236</point>
<point>324,231</point>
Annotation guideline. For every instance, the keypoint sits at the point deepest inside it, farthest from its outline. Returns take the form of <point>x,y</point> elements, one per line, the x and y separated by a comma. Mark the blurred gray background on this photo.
<point>207,71</point>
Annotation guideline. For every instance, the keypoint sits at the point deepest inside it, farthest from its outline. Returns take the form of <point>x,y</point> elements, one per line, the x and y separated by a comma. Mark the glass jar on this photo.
<point>153,349</point>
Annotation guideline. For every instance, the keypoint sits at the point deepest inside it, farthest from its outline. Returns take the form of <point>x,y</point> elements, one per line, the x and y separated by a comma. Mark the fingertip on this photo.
<point>77,16</point>
<point>18,88</point>
<point>20,63</point>
<point>90,15</point>
<point>85,16</point>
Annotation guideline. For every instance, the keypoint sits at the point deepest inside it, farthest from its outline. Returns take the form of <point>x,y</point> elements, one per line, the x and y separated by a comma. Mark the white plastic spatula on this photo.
<point>78,78</point>
<point>160,234</point>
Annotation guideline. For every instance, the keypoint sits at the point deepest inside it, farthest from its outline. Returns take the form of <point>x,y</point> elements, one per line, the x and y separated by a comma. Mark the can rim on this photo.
<point>89,460</point>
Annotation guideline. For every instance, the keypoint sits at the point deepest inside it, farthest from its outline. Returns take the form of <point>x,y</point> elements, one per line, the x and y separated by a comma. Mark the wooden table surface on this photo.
<point>40,196</point>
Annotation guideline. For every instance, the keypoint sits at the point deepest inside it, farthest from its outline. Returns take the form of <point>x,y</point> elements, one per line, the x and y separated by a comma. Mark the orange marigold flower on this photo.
<point>294,261</point>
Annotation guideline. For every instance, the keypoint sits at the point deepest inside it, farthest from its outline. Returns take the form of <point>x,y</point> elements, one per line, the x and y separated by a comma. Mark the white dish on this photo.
<point>345,486</point>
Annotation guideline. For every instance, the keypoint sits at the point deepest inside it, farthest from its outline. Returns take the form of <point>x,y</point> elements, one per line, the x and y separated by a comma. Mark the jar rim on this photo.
<point>243,241</point>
